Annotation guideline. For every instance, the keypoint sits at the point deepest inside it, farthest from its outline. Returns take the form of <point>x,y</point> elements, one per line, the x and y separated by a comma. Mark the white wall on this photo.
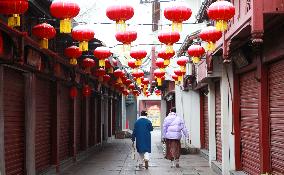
<point>163,114</point>
<point>187,105</point>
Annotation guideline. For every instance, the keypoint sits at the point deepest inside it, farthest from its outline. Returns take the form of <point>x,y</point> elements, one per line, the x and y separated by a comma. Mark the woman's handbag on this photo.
<point>164,147</point>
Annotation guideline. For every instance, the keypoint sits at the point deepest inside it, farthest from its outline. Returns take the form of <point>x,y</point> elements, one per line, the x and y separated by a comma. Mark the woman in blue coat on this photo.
<point>142,135</point>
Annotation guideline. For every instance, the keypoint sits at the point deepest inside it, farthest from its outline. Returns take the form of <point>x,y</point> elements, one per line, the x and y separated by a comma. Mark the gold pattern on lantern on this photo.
<point>84,46</point>
<point>221,25</point>
<point>14,21</point>
<point>44,43</point>
<point>73,61</point>
<point>195,60</point>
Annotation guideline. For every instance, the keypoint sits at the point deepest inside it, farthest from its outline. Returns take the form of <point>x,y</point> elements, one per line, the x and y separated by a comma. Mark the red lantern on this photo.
<point>131,86</point>
<point>132,63</point>
<point>127,82</point>
<point>120,14</point>
<point>73,92</point>
<point>160,63</point>
<point>64,11</point>
<point>88,63</point>
<point>169,38</point>
<point>73,53</point>
<point>126,38</point>
<point>195,51</point>
<point>106,78</point>
<point>182,62</point>
<point>138,75</point>
<point>179,73</point>
<point>118,74</point>
<point>175,78</point>
<point>221,12</point>
<point>139,55</point>
<point>83,35</point>
<point>211,35</point>
<point>87,90</point>
<point>158,73</point>
<point>136,93</point>
<point>145,83</point>
<point>125,92</point>
<point>177,14</point>
<point>13,8</point>
<point>101,72</point>
<point>166,56</point>
<point>44,32</point>
<point>102,53</point>
<point>158,92</point>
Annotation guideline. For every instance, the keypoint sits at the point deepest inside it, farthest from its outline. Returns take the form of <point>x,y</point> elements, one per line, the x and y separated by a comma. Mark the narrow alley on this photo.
<point>115,159</point>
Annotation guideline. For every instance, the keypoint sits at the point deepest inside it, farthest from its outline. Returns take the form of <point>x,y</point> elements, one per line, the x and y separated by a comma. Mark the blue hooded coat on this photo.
<point>142,134</point>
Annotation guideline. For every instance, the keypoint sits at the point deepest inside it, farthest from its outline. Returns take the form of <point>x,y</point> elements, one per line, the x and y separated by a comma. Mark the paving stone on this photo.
<point>115,159</point>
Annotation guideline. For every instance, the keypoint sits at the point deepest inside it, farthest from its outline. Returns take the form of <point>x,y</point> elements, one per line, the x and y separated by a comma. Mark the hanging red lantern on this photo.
<point>158,92</point>
<point>160,63</point>
<point>73,52</point>
<point>125,92</point>
<point>44,32</point>
<point>83,35</point>
<point>145,83</point>
<point>86,90</point>
<point>179,73</point>
<point>126,38</point>
<point>158,73</point>
<point>135,93</point>
<point>106,78</point>
<point>182,62</point>
<point>102,53</point>
<point>177,14</point>
<point>120,14</point>
<point>166,56</point>
<point>169,38</point>
<point>221,12</point>
<point>13,8</point>
<point>131,86</point>
<point>73,92</point>
<point>138,55</point>
<point>127,82</point>
<point>132,64</point>
<point>211,35</point>
<point>118,74</point>
<point>108,66</point>
<point>195,51</point>
<point>64,11</point>
<point>175,78</point>
<point>88,63</point>
<point>138,75</point>
<point>100,73</point>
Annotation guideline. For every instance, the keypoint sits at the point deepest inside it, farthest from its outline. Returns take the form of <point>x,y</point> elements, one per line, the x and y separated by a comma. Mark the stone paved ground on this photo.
<point>115,159</point>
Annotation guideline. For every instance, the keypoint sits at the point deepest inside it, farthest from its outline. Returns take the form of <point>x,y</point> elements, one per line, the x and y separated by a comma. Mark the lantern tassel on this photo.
<point>176,82</point>
<point>102,63</point>
<point>138,62</point>
<point>126,47</point>
<point>84,46</point>
<point>120,26</point>
<point>159,81</point>
<point>119,81</point>
<point>210,46</point>
<point>221,25</point>
<point>65,26</point>
<point>179,78</point>
<point>44,43</point>
<point>169,48</point>
<point>14,21</point>
<point>195,60</point>
<point>167,62</point>
<point>110,70</point>
<point>73,61</point>
<point>138,81</point>
<point>176,26</point>
<point>182,68</point>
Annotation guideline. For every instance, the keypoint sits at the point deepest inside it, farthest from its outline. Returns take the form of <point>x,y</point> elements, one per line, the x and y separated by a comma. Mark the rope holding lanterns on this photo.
<point>195,51</point>
<point>83,34</point>
<point>211,35</point>
<point>120,14</point>
<point>177,14</point>
<point>64,11</point>
<point>44,32</point>
<point>221,12</point>
<point>169,38</point>
<point>13,8</point>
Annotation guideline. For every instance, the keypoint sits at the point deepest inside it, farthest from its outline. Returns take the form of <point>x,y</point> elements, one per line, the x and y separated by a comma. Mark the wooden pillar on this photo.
<point>237,122</point>
<point>202,127</point>
<point>73,127</point>
<point>263,104</point>
<point>86,122</point>
<point>56,126</point>
<point>2,140</point>
<point>30,122</point>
